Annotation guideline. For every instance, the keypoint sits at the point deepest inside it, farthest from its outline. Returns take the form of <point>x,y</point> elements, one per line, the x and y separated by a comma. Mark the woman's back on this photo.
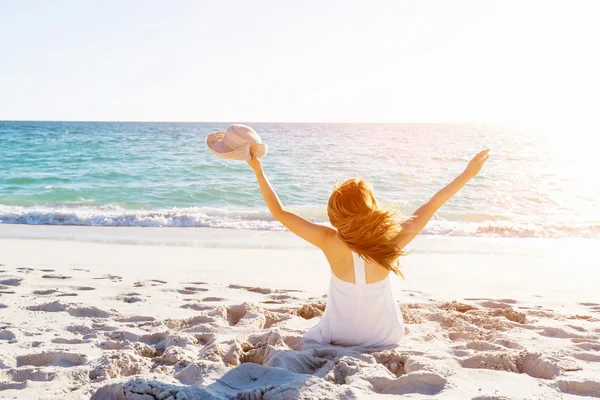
<point>340,259</point>
<point>358,313</point>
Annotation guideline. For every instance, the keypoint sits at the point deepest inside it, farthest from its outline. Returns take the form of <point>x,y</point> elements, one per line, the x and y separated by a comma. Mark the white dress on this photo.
<point>362,314</point>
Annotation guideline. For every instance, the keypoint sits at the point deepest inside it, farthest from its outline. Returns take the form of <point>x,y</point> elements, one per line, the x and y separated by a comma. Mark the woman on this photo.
<point>362,249</point>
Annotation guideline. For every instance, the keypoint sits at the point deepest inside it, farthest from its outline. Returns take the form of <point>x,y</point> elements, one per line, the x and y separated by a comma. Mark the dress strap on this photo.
<point>359,269</point>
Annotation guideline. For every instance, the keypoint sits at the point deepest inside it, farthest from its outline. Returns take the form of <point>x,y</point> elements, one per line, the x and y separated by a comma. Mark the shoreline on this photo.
<point>237,237</point>
<point>526,267</point>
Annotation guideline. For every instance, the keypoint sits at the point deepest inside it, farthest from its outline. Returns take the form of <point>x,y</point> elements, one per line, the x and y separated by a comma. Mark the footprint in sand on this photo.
<point>279,299</point>
<point>138,388</point>
<point>56,276</point>
<point>588,345</point>
<point>12,385</point>
<point>72,309</point>
<point>489,303</point>
<point>509,301</point>
<point>136,318</point>
<point>47,292</point>
<point>57,358</point>
<point>252,289</point>
<point>413,292</point>
<point>112,278</point>
<point>25,270</point>
<point>594,307</point>
<point>583,340</point>
<point>3,306</point>
<point>260,290</point>
<point>532,364</point>
<point>480,345</point>
<point>7,334</point>
<point>68,341</point>
<point>151,282</point>
<point>422,382</point>
<point>246,312</point>
<point>84,288</point>
<point>11,282</point>
<point>509,344</point>
<point>587,357</point>
<point>44,292</point>
<point>189,290</point>
<point>576,327</point>
<point>131,297</point>
<point>580,387</point>
<point>212,298</point>
<point>47,270</point>
<point>196,307</point>
<point>559,333</point>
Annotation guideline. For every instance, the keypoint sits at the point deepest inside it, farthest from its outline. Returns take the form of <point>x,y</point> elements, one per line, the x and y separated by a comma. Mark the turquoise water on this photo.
<point>161,174</point>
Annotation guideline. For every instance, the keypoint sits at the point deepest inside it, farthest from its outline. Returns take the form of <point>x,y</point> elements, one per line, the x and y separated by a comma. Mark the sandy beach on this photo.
<point>143,313</point>
<point>160,163</point>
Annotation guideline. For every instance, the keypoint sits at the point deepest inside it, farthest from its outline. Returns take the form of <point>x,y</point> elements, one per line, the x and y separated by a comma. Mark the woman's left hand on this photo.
<point>477,163</point>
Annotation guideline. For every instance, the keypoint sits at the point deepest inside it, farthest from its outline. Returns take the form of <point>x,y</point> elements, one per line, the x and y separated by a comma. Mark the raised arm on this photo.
<point>315,234</point>
<point>421,217</point>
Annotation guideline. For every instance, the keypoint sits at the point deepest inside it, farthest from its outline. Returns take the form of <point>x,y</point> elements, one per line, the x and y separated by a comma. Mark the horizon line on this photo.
<point>259,122</point>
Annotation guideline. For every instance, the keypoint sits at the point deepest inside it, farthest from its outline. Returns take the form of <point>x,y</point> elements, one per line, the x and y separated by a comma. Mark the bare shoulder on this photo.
<point>333,243</point>
<point>331,233</point>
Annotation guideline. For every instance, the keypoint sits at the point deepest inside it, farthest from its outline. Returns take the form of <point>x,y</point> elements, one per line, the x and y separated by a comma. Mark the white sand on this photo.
<point>204,313</point>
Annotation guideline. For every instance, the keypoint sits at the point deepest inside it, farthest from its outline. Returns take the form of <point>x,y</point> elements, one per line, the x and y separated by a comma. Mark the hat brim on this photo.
<point>215,144</point>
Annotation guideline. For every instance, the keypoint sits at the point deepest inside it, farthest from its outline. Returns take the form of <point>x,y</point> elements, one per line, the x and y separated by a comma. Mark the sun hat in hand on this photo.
<point>235,143</point>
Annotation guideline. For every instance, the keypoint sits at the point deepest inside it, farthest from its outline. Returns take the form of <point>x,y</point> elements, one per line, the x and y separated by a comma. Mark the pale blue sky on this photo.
<point>343,61</point>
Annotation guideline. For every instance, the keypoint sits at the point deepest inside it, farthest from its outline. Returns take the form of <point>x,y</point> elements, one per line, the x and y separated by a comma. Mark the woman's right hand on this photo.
<point>477,163</point>
<point>254,162</point>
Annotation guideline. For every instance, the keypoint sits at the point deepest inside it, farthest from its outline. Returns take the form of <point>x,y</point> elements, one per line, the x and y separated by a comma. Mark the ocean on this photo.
<point>162,174</point>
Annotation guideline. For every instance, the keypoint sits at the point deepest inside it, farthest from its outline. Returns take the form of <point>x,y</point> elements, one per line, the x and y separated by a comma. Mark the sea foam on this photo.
<point>261,219</point>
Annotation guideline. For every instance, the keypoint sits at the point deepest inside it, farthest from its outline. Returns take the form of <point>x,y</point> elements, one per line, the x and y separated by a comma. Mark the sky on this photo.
<point>467,61</point>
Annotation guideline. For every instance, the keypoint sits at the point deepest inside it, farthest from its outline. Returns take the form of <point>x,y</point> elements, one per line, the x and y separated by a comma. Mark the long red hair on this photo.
<point>367,229</point>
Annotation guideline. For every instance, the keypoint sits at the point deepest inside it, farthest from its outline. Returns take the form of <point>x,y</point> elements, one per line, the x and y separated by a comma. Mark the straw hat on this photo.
<point>235,143</point>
